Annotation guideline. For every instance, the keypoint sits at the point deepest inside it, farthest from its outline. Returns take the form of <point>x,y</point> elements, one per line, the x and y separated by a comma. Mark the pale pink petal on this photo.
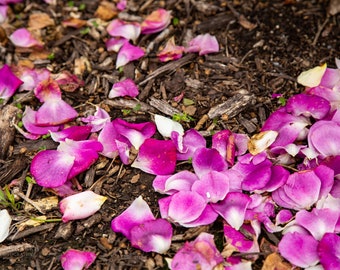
<point>119,28</point>
<point>107,137</point>
<point>318,221</point>
<point>98,120</point>
<point>121,5</point>
<point>76,133</point>
<point>23,38</point>
<point>159,184</point>
<point>133,133</point>
<point>77,260</point>
<point>203,44</point>
<point>329,251</point>
<point>3,13</point>
<point>85,153</point>
<point>306,246</point>
<point>171,51</point>
<point>124,151</point>
<point>114,44</point>
<point>212,186</point>
<point>206,160</point>
<point>80,205</point>
<point>156,157</point>
<point>5,224</point>
<point>9,83</point>
<point>50,168</point>
<point>308,105</point>
<point>198,254</point>
<point>182,180</point>
<point>137,213</point>
<point>166,126</point>
<point>30,124</point>
<point>55,112</point>
<point>31,77</point>
<point>47,89</point>
<point>123,88</point>
<point>233,208</point>
<point>152,235</point>
<point>156,21</point>
<point>128,53</point>
<point>331,78</point>
<point>191,141</point>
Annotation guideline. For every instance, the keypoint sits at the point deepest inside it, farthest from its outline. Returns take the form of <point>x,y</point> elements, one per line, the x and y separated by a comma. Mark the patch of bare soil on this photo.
<point>264,45</point>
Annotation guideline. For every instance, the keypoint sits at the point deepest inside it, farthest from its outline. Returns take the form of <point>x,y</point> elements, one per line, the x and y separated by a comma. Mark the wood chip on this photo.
<point>163,106</point>
<point>6,251</point>
<point>39,20</point>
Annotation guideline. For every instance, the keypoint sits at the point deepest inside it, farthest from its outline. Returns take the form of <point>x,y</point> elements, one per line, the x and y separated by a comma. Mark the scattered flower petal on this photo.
<point>23,38</point>
<point>203,44</point>
<point>329,251</point>
<point>171,51</point>
<point>9,83</point>
<point>119,28</point>
<point>77,260</point>
<point>6,220</point>
<point>166,126</point>
<point>123,88</point>
<point>312,77</point>
<point>156,21</point>
<point>128,53</point>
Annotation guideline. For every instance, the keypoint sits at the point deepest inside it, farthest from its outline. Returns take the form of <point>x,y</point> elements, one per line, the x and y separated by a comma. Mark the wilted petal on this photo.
<point>233,208</point>
<point>306,246</point>
<point>224,142</point>
<point>171,51</point>
<point>123,88</point>
<point>324,136</point>
<point>137,213</point>
<point>191,141</point>
<point>198,254</point>
<point>31,77</point>
<point>261,141</point>
<point>133,133</point>
<point>47,89</point>
<point>206,160</point>
<point>203,44</point>
<point>308,105</point>
<point>50,168</point>
<point>156,157</point>
<point>312,77</point>
<point>68,81</point>
<point>23,38</point>
<point>77,260</point>
<point>29,122</point>
<point>9,83</point>
<point>318,221</point>
<point>6,220</point>
<point>166,126</point>
<point>55,112</point>
<point>80,205</point>
<point>128,53</point>
<point>156,21</point>
<point>329,251</point>
<point>76,133</point>
<point>212,186</point>
<point>119,28</point>
<point>98,120</point>
<point>152,235</point>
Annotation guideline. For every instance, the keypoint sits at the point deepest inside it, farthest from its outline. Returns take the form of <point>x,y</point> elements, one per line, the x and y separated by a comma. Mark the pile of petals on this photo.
<point>255,190</point>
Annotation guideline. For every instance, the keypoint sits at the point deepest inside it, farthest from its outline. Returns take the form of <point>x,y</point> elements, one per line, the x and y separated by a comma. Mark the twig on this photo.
<point>5,251</point>
<point>30,231</point>
<point>318,33</point>
<point>25,198</point>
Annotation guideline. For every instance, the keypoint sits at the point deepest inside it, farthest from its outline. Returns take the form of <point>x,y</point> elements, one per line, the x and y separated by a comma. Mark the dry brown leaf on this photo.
<point>275,262</point>
<point>46,204</point>
<point>74,22</point>
<point>333,7</point>
<point>106,11</point>
<point>245,23</point>
<point>81,64</point>
<point>39,55</point>
<point>39,21</point>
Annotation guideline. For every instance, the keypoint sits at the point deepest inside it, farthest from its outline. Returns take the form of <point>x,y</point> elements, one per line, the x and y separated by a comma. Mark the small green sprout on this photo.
<point>51,56</point>
<point>46,136</point>
<point>282,101</point>
<point>42,148</point>
<point>126,111</point>
<point>175,21</point>
<point>70,3</point>
<point>30,180</point>
<point>182,117</point>
<point>85,31</point>
<point>7,199</point>
<point>82,7</point>
<point>137,107</point>
<point>20,124</point>
<point>188,102</point>
<point>95,24</point>
<point>121,69</point>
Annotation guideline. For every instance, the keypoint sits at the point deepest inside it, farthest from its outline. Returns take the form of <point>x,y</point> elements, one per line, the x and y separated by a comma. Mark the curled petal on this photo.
<point>80,205</point>
<point>166,126</point>
<point>156,157</point>
<point>77,260</point>
<point>98,120</point>
<point>123,88</point>
<point>50,168</point>
<point>261,141</point>
<point>119,28</point>
<point>171,51</point>
<point>156,21</point>
<point>107,137</point>
<point>76,133</point>
<point>191,141</point>
<point>305,244</point>
<point>182,180</point>
<point>114,44</point>
<point>137,213</point>
<point>128,53</point>
<point>329,251</point>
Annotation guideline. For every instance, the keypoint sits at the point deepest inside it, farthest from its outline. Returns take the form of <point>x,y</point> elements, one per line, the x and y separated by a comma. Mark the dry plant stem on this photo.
<point>122,103</point>
<point>30,231</point>
<point>8,250</point>
<point>163,106</point>
<point>318,33</point>
<point>201,122</point>
<point>28,200</point>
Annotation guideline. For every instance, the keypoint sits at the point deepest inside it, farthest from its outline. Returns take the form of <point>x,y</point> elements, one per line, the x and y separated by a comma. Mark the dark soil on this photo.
<point>264,45</point>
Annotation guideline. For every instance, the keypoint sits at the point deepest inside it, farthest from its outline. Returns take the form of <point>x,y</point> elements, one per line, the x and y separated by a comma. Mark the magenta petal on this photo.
<point>98,120</point>
<point>182,180</point>
<point>114,44</point>
<point>152,235</point>
<point>258,178</point>
<point>208,216</point>
<point>192,140</point>
<point>326,176</point>
<point>9,83</point>
<point>329,251</point>
<point>318,222</point>
<point>233,208</point>
<point>55,112</point>
<point>185,206</point>
<point>156,157</point>
<point>212,186</point>
<point>123,88</point>
<point>128,53</point>
<point>76,133</point>
<point>137,213</point>
<point>308,105</point>
<point>224,142</point>
<point>107,137</point>
<point>206,160</point>
<point>306,246</point>
<point>278,178</point>
<point>119,28</point>
<point>50,168</point>
<point>321,130</point>
<point>29,122</point>
<point>76,259</point>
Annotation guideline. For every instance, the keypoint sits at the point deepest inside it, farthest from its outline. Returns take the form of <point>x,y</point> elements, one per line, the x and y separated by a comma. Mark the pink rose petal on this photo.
<point>329,251</point>
<point>171,51</point>
<point>98,120</point>
<point>156,21</point>
<point>119,28</point>
<point>23,38</point>
<point>9,83</point>
<point>77,259</point>
<point>128,53</point>
<point>123,88</point>
<point>203,44</point>
<point>76,133</point>
<point>188,144</point>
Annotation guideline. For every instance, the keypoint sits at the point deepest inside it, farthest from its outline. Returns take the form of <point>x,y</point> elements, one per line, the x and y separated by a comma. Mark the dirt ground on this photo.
<point>264,45</point>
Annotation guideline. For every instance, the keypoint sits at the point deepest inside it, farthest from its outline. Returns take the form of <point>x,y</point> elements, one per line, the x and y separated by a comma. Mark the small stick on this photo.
<point>28,200</point>
<point>20,248</point>
<point>318,33</point>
